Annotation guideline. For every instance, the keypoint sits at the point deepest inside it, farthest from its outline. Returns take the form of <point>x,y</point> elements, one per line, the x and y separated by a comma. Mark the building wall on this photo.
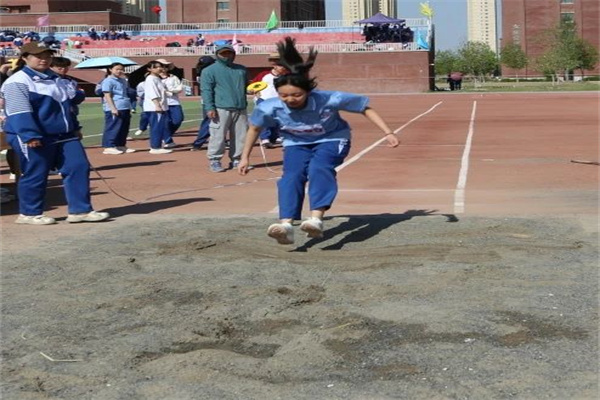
<point>104,18</point>
<point>354,10</point>
<point>142,9</point>
<point>206,11</point>
<point>525,21</point>
<point>481,20</point>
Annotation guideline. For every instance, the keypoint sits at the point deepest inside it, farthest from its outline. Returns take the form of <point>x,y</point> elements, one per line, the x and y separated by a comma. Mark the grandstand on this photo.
<point>345,57</point>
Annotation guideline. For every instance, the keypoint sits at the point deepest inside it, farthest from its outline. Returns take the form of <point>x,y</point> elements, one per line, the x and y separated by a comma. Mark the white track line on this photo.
<point>459,194</point>
<point>377,143</point>
<point>371,147</point>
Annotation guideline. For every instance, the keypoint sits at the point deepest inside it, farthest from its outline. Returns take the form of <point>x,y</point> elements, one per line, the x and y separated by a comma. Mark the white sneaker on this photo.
<point>160,151</point>
<point>283,233</point>
<point>126,150</point>
<point>313,228</point>
<point>169,145</point>
<point>35,220</point>
<point>12,176</point>
<point>139,132</point>
<point>112,150</point>
<point>92,216</point>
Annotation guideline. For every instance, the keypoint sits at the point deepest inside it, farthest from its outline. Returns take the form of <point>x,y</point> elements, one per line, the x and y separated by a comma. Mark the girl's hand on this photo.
<point>243,166</point>
<point>392,140</point>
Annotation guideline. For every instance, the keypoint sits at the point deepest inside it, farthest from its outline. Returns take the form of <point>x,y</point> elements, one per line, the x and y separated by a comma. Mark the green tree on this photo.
<point>477,59</point>
<point>587,55</point>
<point>513,57</point>
<point>549,63</point>
<point>446,61</point>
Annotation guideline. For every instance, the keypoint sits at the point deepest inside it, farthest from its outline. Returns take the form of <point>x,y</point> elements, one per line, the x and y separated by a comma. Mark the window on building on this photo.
<point>222,5</point>
<point>567,1</point>
<point>567,17</point>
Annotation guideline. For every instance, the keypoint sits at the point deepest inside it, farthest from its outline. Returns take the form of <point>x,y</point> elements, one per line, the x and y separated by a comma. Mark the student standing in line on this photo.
<point>315,140</point>
<point>144,118</point>
<point>44,131</point>
<point>203,129</point>
<point>155,104</point>
<point>175,112</point>
<point>117,111</point>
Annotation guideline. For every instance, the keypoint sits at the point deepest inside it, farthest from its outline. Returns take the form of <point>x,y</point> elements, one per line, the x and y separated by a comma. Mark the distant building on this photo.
<point>207,11</point>
<point>142,9</point>
<point>481,20</point>
<point>65,12</point>
<point>354,10</point>
<point>525,21</point>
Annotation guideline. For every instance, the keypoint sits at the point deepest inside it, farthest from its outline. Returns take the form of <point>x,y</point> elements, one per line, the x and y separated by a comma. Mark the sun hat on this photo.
<point>163,61</point>
<point>35,48</point>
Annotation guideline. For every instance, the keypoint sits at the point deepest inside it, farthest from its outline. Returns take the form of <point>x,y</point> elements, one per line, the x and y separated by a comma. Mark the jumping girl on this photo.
<point>315,140</point>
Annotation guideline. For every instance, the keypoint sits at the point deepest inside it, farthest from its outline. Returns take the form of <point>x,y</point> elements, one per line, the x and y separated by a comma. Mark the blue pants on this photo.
<point>116,128</point>
<point>313,163</point>
<point>144,120</point>
<point>270,134</point>
<point>35,162</point>
<point>159,129</point>
<point>203,133</point>
<point>175,115</point>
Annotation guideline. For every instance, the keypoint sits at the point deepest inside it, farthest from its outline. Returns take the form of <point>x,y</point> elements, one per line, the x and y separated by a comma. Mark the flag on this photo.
<point>272,22</point>
<point>426,10</point>
<point>44,20</point>
<point>234,43</point>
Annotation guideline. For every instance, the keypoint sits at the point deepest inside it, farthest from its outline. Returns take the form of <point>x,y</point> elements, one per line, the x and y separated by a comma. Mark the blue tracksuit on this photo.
<point>316,140</point>
<point>40,106</point>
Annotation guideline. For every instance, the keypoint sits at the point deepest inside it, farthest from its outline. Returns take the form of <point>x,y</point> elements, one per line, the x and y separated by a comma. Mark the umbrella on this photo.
<point>104,62</point>
<point>139,75</point>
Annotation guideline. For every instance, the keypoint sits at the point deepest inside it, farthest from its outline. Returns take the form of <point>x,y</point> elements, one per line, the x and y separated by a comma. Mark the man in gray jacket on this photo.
<point>223,87</point>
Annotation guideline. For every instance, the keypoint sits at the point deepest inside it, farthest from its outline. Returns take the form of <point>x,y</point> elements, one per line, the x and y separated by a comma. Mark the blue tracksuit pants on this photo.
<point>144,120</point>
<point>159,129</point>
<point>313,163</point>
<point>175,114</point>
<point>35,162</point>
<point>203,133</point>
<point>116,128</point>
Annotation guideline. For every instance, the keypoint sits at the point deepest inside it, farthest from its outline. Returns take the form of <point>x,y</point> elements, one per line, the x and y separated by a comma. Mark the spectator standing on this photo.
<point>117,111</point>
<point>175,112</point>
<point>155,104</point>
<point>269,136</point>
<point>34,94</point>
<point>144,117</point>
<point>203,129</point>
<point>316,141</point>
<point>223,87</point>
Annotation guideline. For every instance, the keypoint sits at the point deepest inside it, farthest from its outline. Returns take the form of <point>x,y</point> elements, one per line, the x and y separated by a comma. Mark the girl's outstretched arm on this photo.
<point>251,136</point>
<point>376,119</point>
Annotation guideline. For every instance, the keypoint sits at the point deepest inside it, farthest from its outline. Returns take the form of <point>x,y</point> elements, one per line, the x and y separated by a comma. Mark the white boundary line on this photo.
<point>371,147</point>
<point>377,143</point>
<point>459,194</point>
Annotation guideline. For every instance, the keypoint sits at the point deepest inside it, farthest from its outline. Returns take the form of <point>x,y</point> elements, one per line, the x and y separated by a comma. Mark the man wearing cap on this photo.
<point>44,131</point>
<point>223,87</point>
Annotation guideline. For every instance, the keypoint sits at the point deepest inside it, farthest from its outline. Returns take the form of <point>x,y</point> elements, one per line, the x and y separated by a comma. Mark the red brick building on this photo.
<point>524,21</point>
<point>203,11</point>
<point>64,12</point>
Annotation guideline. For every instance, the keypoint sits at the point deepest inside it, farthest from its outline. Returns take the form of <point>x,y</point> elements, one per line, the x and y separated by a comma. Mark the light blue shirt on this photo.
<point>118,88</point>
<point>319,121</point>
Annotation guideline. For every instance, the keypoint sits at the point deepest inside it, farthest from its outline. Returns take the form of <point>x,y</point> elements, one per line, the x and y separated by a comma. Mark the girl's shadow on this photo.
<point>364,227</point>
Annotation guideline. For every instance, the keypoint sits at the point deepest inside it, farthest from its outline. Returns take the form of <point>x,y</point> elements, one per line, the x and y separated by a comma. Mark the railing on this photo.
<point>202,27</point>
<point>254,49</point>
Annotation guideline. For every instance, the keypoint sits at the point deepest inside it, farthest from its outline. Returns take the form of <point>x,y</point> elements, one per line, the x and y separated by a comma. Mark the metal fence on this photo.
<point>254,49</point>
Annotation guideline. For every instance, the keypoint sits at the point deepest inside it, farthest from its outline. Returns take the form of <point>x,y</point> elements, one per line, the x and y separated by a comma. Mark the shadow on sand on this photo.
<point>359,228</point>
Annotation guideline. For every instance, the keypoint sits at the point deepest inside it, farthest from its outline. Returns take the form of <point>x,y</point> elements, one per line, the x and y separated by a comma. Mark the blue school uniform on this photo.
<point>40,106</point>
<point>116,128</point>
<point>316,140</point>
